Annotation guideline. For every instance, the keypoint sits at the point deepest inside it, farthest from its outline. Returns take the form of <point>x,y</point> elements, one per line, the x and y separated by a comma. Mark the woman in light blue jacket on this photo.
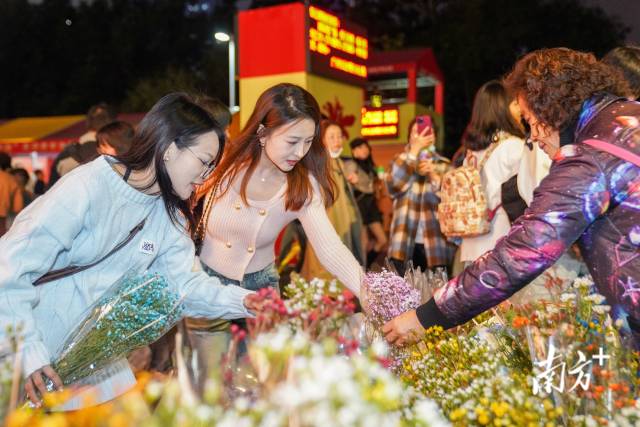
<point>87,214</point>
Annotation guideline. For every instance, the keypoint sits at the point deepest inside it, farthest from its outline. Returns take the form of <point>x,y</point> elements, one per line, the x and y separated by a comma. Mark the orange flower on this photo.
<point>520,321</point>
<point>601,421</point>
<point>606,374</point>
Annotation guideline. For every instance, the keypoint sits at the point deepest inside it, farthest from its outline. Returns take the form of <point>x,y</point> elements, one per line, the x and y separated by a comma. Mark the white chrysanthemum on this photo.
<point>583,282</point>
<point>601,309</point>
<point>552,309</point>
<point>426,411</point>
<point>346,416</point>
<point>204,413</point>
<point>242,404</point>
<point>380,348</point>
<point>596,298</point>
<point>154,389</point>
<point>590,422</point>
<point>273,419</point>
<point>299,341</point>
<point>347,389</point>
<point>235,420</point>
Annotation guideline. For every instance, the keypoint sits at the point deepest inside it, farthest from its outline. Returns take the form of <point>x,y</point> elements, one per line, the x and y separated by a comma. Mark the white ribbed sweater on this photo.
<point>240,239</point>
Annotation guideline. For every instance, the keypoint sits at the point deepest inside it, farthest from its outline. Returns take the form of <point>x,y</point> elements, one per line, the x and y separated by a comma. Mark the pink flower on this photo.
<point>388,295</point>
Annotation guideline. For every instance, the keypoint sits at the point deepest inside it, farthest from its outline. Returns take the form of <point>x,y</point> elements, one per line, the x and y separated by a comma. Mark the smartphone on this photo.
<point>423,123</point>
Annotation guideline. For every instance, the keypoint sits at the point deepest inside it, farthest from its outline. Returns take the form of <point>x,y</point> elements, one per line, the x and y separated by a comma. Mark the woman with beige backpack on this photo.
<point>495,143</point>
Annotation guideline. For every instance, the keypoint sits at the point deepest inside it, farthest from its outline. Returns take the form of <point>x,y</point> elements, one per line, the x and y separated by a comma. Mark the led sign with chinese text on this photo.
<point>337,49</point>
<point>380,122</point>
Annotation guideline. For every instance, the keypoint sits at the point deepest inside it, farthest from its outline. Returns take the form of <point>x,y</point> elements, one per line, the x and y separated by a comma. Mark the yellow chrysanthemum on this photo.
<point>53,420</point>
<point>19,418</point>
<point>483,419</point>
<point>118,420</point>
<point>457,414</point>
<point>499,409</point>
<point>51,400</point>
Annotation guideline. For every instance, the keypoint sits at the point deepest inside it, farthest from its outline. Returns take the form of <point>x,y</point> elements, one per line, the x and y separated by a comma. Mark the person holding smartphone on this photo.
<point>413,185</point>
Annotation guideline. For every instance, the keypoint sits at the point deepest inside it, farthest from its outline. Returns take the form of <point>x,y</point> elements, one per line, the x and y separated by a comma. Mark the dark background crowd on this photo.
<point>62,55</point>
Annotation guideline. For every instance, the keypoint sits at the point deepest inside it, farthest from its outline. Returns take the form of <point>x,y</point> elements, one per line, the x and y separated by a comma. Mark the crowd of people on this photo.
<point>105,136</point>
<point>17,190</point>
<point>210,210</point>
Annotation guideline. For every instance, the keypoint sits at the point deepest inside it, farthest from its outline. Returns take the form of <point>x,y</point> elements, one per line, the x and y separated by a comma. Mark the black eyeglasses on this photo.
<point>208,167</point>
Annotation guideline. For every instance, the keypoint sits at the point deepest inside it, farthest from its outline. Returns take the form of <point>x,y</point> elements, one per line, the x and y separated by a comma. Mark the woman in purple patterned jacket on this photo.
<point>590,196</point>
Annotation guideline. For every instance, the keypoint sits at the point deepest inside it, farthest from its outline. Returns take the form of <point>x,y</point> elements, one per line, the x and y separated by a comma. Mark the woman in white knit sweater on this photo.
<point>86,214</point>
<point>492,131</point>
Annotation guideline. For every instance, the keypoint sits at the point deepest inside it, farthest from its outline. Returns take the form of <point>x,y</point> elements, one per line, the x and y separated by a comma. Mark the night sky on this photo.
<point>627,11</point>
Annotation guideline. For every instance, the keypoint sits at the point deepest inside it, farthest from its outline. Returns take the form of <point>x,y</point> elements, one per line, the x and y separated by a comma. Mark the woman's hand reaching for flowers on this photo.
<point>403,329</point>
<point>254,302</point>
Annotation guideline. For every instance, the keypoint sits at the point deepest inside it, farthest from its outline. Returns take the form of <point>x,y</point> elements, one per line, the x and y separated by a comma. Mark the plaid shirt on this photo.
<point>415,200</point>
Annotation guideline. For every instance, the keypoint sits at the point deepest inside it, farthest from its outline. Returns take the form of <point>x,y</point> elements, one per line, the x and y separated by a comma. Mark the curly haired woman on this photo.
<point>577,116</point>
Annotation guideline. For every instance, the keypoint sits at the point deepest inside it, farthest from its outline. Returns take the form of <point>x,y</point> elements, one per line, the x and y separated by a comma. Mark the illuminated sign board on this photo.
<point>380,122</point>
<point>337,48</point>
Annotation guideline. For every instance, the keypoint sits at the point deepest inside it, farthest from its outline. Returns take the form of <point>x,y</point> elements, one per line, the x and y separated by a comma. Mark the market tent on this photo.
<point>46,134</point>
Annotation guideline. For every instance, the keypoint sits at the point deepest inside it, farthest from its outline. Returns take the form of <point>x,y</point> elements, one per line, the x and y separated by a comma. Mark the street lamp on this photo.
<point>228,38</point>
<point>222,37</point>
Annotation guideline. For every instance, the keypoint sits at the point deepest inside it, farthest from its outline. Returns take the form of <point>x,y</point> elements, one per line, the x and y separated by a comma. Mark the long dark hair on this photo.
<point>277,106</point>
<point>490,114</point>
<point>367,164</point>
<point>627,60</point>
<point>174,118</point>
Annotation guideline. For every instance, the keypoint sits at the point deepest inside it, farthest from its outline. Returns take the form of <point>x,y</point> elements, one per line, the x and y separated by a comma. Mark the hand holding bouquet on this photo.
<point>134,312</point>
<point>385,296</point>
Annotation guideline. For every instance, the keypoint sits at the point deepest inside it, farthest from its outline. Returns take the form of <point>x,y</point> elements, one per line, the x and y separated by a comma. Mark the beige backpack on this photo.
<point>463,210</point>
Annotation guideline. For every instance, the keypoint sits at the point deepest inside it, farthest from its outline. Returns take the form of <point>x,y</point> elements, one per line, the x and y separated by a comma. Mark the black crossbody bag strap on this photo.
<point>73,269</point>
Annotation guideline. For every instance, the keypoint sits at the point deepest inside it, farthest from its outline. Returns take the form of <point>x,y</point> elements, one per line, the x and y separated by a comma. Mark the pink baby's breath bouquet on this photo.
<point>384,296</point>
<point>387,295</point>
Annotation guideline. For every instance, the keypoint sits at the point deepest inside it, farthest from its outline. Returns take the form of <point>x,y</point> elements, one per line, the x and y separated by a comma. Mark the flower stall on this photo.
<point>308,360</point>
